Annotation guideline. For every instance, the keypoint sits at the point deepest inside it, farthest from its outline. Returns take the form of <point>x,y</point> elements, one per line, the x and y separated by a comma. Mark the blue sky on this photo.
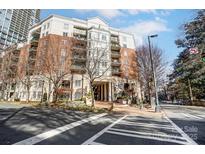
<point>141,23</point>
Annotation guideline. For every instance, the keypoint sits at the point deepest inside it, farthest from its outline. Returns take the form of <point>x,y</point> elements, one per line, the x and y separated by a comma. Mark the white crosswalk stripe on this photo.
<point>117,128</point>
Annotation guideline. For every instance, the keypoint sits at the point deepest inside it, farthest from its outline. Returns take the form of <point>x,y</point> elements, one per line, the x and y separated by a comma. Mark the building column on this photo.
<point>101,95</point>
<point>71,97</point>
<point>105,92</point>
<point>110,91</point>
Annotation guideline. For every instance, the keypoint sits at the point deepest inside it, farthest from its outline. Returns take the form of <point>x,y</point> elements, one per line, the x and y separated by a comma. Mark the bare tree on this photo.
<point>53,66</point>
<point>97,57</point>
<point>146,78</point>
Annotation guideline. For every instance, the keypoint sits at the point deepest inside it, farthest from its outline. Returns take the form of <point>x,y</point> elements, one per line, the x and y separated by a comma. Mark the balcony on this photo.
<point>114,39</point>
<point>34,42</point>
<point>115,47</point>
<point>77,68</point>
<point>116,72</point>
<point>33,49</point>
<point>79,49</point>
<point>116,63</point>
<point>115,54</point>
<point>79,58</point>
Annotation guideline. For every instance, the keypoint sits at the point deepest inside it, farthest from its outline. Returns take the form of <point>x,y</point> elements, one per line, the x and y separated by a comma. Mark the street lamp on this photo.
<point>157,108</point>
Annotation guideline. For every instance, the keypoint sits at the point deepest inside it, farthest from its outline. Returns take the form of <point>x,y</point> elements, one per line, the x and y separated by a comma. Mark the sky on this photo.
<point>165,23</point>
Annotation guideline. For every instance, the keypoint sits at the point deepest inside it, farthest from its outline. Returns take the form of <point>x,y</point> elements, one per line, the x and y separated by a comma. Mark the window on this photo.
<point>64,42</point>
<point>39,95</point>
<point>63,56</point>
<point>124,39</point>
<point>124,45</point>
<point>65,34</point>
<point>78,95</point>
<point>46,33</point>
<point>77,83</point>
<point>104,37</point>
<point>48,25</point>
<point>104,64</point>
<point>34,94</point>
<point>43,35</point>
<point>63,52</point>
<point>125,53</point>
<point>44,27</point>
<point>66,83</point>
<point>45,42</point>
<point>66,26</point>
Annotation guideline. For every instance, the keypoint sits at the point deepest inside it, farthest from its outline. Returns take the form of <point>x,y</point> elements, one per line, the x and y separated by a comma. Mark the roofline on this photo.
<point>99,18</point>
<point>83,21</point>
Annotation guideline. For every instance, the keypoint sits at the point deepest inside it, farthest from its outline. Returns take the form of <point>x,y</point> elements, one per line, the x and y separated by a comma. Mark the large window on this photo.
<point>77,83</point>
<point>66,84</point>
<point>63,56</point>
<point>48,25</point>
<point>124,45</point>
<point>104,64</point>
<point>65,34</point>
<point>124,39</point>
<point>104,38</point>
<point>66,26</point>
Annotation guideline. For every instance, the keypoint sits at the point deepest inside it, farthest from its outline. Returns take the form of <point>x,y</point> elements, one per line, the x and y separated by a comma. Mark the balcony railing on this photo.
<point>115,63</point>
<point>114,39</point>
<point>116,72</point>
<point>79,48</point>
<point>115,47</point>
<point>79,31</point>
<point>79,58</point>
<point>115,54</point>
<point>75,67</point>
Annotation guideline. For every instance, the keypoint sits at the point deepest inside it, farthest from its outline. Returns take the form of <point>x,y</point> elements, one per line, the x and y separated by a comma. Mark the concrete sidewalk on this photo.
<point>13,105</point>
<point>127,109</point>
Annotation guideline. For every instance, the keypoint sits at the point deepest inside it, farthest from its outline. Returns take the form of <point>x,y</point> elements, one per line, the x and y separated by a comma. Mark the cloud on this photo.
<point>142,29</point>
<point>113,13</point>
<point>137,11</point>
<point>108,13</point>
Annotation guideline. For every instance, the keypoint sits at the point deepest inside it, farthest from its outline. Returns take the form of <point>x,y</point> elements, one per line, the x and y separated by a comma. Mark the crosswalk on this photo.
<point>135,128</point>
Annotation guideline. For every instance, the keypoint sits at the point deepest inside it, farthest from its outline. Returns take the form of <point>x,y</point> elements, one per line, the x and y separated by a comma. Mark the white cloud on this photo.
<point>113,13</point>
<point>137,11</point>
<point>108,13</point>
<point>142,29</point>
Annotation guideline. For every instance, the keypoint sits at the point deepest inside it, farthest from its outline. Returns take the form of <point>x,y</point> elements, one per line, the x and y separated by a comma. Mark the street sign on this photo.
<point>193,51</point>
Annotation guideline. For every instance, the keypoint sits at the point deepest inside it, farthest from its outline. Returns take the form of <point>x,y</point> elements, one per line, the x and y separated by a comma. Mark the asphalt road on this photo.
<point>26,125</point>
<point>190,119</point>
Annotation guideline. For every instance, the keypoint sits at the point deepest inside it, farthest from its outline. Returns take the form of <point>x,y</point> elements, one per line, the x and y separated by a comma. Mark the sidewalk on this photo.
<point>128,110</point>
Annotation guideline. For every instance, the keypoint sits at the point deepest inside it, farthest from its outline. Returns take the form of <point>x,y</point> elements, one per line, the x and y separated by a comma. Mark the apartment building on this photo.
<point>60,45</point>
<point>14,25</point>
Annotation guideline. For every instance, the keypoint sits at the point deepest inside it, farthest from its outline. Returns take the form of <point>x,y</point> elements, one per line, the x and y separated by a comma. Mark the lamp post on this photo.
<point>157,108</point>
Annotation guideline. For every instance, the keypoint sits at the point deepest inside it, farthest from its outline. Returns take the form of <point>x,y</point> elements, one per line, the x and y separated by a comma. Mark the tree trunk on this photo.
<point>190,91</point>
<point>92,94</point>
<point>28,94</point>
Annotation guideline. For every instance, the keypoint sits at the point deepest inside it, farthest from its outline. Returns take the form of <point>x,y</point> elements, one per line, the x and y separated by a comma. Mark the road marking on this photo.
<point>147,137</point>
<point>180,131</point>
<point>191,116</point>
<point>148,134</point>
<point>59,130</point>
<point>90,140</point>
<point>147,125</point>
<point>96,143</point>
